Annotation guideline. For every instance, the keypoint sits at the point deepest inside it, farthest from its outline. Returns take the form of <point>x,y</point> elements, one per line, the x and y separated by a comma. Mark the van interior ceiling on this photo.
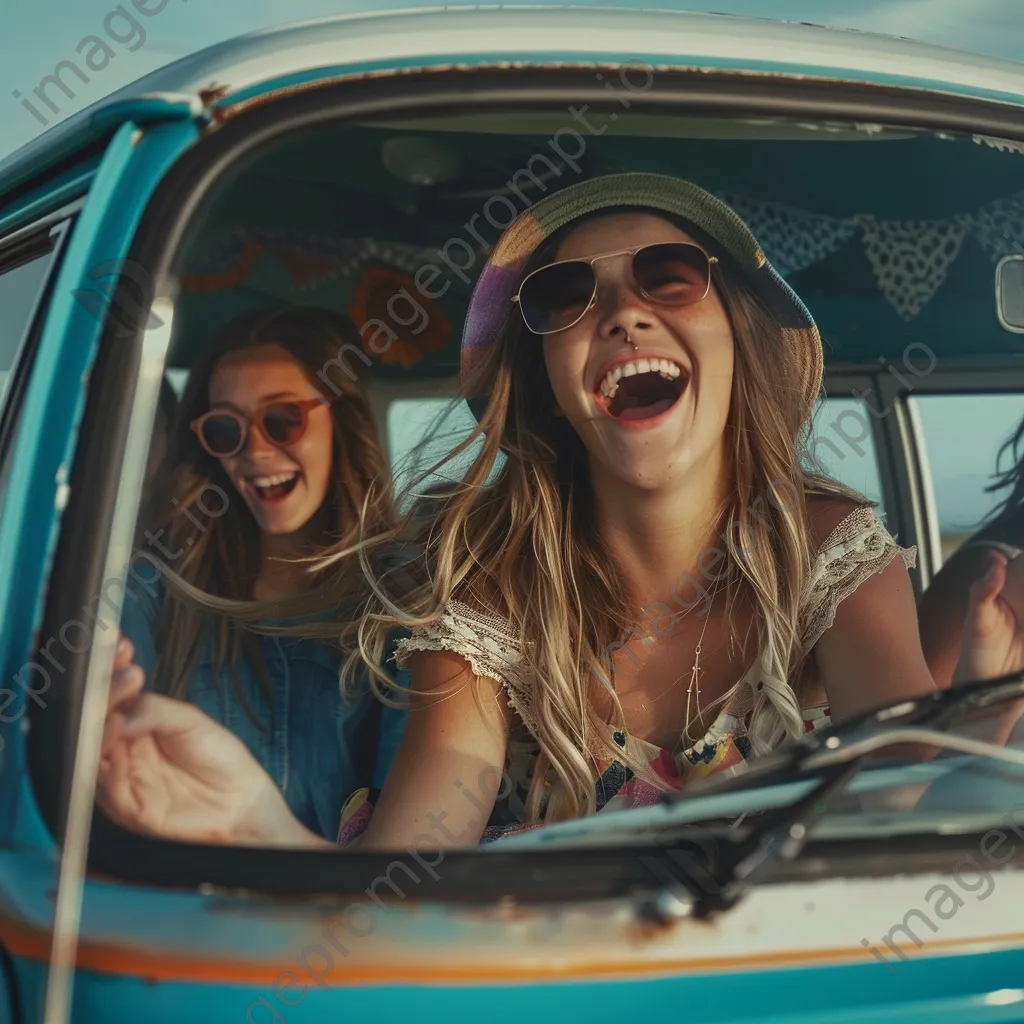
<point>390,223</point>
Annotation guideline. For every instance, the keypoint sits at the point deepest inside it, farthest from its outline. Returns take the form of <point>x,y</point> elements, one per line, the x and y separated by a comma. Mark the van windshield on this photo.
<point>662,493</point>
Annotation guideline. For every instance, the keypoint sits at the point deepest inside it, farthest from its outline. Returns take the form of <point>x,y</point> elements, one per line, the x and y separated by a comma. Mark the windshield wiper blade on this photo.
<point>700,875</point>
<point>700,881</point>
<point>872,743</point>
<point>943,706</point>
<point>728,872</point>
<point>781,836</point>
<point>788,764</point>
<point>778,836</point>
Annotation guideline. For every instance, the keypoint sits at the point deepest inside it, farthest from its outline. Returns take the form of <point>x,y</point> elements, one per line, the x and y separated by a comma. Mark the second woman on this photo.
<point>267,467</point>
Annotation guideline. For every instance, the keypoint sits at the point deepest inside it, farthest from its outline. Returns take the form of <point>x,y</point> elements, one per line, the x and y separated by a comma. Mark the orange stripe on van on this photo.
<point>106,958</point>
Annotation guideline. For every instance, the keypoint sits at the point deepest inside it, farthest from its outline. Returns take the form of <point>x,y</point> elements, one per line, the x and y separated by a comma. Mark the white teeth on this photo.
<point>272,481</point>
<point>665,367</point>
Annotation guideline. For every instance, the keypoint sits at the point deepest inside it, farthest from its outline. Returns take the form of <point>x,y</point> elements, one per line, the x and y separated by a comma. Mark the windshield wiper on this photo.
<point>726,872</point>
<point>790,763</point>
<point>782,836</point>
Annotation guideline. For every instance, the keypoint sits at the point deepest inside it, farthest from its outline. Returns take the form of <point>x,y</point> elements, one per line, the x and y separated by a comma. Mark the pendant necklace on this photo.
<point>693,690</point>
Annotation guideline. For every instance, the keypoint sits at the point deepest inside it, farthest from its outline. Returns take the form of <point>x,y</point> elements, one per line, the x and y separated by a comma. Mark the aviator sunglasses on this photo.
<point>223,432</point>
<point>558,296</point>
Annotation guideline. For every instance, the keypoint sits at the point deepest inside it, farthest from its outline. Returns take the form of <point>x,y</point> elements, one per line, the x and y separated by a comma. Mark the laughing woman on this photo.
<point>648,590</point>
<point>261,472</point>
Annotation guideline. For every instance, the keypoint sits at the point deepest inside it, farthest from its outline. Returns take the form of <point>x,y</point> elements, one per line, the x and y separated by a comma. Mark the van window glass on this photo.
<point>842,446</point>
<point>420,432</point>
<point>962,437</point>
<point>20,285</point>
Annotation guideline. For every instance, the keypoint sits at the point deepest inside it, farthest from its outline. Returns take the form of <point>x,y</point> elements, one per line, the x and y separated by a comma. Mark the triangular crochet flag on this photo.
<point>999,227</point>
<point>911,258</point>
<point>792,239</point>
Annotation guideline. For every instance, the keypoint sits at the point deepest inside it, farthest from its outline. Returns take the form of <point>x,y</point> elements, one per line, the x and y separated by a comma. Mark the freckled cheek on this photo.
<point>725,368</point>
<point>715,359</point>
<point>721,383</point>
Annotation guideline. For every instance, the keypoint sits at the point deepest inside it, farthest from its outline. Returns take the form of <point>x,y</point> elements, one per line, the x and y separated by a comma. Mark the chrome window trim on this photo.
<point>891,452</point>
<point>926,510</point>
<point>82,790</point>
<point>39,225</point>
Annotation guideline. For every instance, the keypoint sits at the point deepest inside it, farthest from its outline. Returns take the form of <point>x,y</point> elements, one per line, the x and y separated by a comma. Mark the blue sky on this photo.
<point>40,33</point>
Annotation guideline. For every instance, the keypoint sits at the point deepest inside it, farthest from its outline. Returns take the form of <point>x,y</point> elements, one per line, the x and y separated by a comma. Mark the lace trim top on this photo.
<point>858,548</point>
<point>486,642</point>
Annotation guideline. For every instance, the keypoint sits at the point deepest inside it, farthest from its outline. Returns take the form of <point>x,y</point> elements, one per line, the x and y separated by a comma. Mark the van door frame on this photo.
<point>175,204</point>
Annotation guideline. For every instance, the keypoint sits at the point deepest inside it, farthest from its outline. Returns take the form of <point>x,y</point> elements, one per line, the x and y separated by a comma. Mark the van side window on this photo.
<point>21,281</point>
<point>420,432</point>
<point>962,438</point>
<point>842,446</point>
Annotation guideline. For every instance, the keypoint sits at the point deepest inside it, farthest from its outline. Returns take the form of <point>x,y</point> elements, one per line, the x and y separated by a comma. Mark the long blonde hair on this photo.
<point>195,509</point>
<point>487,541</point>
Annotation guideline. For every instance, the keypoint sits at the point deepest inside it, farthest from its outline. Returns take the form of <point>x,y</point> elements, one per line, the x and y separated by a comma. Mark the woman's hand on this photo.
<point>167,769</point>
<point>993,638</point>
<point>993,645</point>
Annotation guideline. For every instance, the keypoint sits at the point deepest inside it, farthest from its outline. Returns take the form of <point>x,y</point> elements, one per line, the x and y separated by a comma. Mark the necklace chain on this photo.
<point>693,689</point>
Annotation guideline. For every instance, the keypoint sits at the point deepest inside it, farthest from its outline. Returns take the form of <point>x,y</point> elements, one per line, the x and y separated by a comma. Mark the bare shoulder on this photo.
<point>825,512</point>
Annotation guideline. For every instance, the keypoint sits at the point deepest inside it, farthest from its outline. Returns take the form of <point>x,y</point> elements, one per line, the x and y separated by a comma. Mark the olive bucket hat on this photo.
<point>491,302</point>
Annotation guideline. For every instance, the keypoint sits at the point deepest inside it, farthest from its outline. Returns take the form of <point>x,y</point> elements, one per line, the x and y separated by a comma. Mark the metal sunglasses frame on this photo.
<point>255,420</point>
<point>591,260</point>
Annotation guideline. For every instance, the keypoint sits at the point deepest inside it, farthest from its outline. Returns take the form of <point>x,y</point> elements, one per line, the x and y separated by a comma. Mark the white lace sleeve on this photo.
<point>857,548</point>
<point>485,641</point>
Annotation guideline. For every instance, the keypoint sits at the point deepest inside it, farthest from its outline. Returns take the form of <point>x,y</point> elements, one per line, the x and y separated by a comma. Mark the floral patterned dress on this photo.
<point>857,549</point>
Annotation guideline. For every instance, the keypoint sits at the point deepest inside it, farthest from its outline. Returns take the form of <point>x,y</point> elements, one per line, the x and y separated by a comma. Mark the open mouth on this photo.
<point>276,487</point>
<point>643,388</point>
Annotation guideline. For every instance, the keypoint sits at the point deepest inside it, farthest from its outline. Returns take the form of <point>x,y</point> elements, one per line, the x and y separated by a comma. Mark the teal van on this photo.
<point>366,163</point>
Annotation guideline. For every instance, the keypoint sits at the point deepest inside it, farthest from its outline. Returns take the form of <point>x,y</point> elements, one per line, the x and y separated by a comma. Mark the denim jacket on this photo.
<point>318,747</point>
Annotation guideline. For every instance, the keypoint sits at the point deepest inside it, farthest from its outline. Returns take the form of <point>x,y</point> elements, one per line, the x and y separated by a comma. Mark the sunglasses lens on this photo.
<point>555,297</point>
<point>222,435</point>
<point>673,272</point>
<point>283,423</point>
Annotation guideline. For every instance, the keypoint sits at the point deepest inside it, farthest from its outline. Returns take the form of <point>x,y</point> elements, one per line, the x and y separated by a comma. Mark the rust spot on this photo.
<point>645,928</point>
<point>506,909</point>
<point>430,69</point>
<point>212,93</point>
<point>208,97</point>
<point>663,914</point>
